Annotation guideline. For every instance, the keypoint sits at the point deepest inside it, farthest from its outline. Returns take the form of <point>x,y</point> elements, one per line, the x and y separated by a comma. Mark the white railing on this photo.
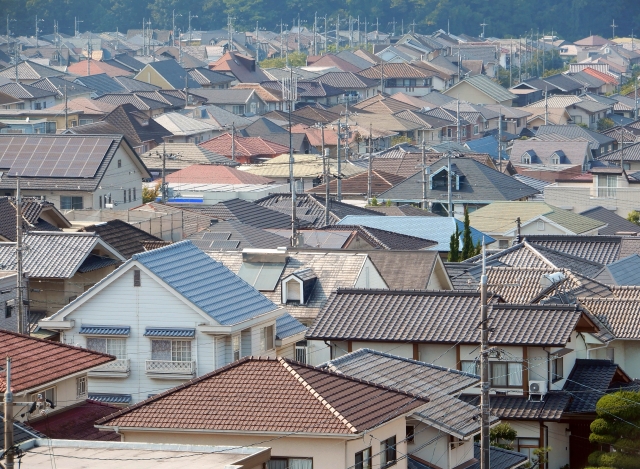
<point>301,354</point>
<point>120,365</point>
<point>167,366</point>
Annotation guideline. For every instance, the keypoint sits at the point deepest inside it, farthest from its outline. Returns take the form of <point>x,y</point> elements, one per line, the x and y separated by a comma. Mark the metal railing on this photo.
<point>170,367</point>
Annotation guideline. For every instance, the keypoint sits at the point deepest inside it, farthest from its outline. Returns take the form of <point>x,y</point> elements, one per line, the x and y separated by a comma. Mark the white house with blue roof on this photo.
<point>170,315</point>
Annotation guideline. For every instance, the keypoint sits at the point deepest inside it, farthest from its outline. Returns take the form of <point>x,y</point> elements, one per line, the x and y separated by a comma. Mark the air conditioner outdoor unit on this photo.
<point>537,388</point>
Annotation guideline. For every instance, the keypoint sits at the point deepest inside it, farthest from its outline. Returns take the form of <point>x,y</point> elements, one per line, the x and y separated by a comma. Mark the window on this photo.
<point>557,369</point>
<point>119,163</point>
<point>470,366</point>
<point>540,226</point>
<point>607,185</point>
<point>411,431</point>
<point>81,386</point>
<point>124,196</point>
<point>115,347</point>
<point>363,459</point>
<point>476,129</point>
<point>171,350</point>
<point>503,126</point>
<point>136,278</point>
<point>486,125</point>
<point>506,374</point>
<point>37,106</point>
<point>8,310</point>
<point>449,133</point>
<point>293,291</point>
<point>388,452</point>
<point>47,394</point>
<point>464,131</point>
<point>129,195</point>
<point>527,445</point>
<point>134,194</point>
<point>555,159</point>
<point>290,463</point>
<point>503,243</point>
<point>266,338</point>
<point>301,351</point>
<point>526,159</point>
<point>235,347</point>
<point>85,122</point>
<point>70,203</point>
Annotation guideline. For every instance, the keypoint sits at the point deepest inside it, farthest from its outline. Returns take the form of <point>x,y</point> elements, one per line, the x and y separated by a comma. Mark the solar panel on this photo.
<point>205,245</point>
<point>225,245</point>
<point>60,156</point>
<point>261,276</point>
<point>216,236</point>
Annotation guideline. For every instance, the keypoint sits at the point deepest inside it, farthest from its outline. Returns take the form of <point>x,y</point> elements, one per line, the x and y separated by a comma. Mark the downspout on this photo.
<point>546,443</point>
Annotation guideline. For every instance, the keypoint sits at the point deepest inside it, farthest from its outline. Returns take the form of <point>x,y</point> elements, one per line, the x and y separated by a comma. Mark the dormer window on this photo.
<point>526,159</point>
<point>555,159</point>
<point>297,287</point>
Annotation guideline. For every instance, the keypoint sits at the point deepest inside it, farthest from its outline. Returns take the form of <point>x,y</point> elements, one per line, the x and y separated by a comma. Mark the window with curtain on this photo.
<point>499,375</point>
<point>115,347</point>
<point>471,366</point>
<point>506,374</point>
<point>363,459</point>
<point>290,463</point>
<point>388,452</point>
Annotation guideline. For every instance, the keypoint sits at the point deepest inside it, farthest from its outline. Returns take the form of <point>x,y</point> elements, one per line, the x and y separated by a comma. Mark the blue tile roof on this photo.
<point>626,271</point>
<point>438,229</point>
<point>287,325</point>
<point>485,145</point>
<point>105,330</point>
<point>168,332</point>
<point>111,398</point>
<point>206,283</point>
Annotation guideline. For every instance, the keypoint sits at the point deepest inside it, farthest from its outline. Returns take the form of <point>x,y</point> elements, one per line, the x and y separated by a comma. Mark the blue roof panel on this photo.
<point>111,398</point>
<point>206,283</point>
<point>105,330</point>
<point>168,332</point>
<point>287,325</point>
<point>438,229</point>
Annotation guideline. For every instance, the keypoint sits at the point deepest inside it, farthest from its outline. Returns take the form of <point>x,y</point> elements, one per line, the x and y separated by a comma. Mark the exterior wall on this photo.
<point>116,179</point>
<point>8,284</point>
<point>149,75</point>
<point>626,353</point>
<point>318,352</point>
<point>327,453</point>
<point>370,277</point>
<point>411,91</point>
<point>42,103</point>
<point>582,198</point>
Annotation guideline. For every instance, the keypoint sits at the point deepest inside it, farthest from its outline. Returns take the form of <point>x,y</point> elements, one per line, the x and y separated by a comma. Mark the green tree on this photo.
<point>296,59</point>
<point>540,457</point>
<point>374,202</point>
<point>617,428</point>
<point>502,435</point>
<point>150,194</point>
<point>454,246</point>
<point>399,139</point>
<point>468,249</point>
<point>605,123</point>
<point>634,217</point>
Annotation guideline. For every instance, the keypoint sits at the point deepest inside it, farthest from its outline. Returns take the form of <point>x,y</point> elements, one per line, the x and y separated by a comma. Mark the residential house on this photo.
<point>29,71</point>
<point>356,187</point>
<point>209,79</point>
<point>480,89</point>
<point>514,120</point>
<point>47,379</point>
<point>524,153</point>
<point>64,91</point>
<point>506,221</point>
<point>600,143</point>
<point>245,150</point>
<point>401,78</point>
<point>323,439</point>
<point>217,116</point>
<point>123,237</point>
<point>179,156</point>
<point>185,129</point>
<point>615,224</point>
<point>37,215</point>
<point>238,101</point>
<point>29,96</point>
<point>544,116</point>
<point>243,69</point>
<point>192,329</point>
<point>86,68</point>
<point>356,87</point>
<point>80,111</point>
<point>438,229</point>
<point>8,299</point>
<point>103,170</point>
<point>168,75</point>
<point>307,170</point>
<point>582,111</point>
<point>267,129</point>
<point>234,235</point>
<point>472,183</point>
<point>528,92</point>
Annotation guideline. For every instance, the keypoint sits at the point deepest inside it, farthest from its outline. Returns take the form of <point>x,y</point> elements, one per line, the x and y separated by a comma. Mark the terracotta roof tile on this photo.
<point>215,174</point>
<point>36,362</point>
<point>244,146</point>
<point>96,67</point>
<point>269,395</point>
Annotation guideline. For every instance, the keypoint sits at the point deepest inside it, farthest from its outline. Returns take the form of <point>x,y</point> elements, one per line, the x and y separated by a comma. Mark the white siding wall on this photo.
<point>369,277</point>
<point>116,180</point>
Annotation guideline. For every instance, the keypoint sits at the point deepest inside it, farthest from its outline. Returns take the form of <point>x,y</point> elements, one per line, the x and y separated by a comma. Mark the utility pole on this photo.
<point>315,39</point>
<point>500,139</point>
<point>21,328</point>
<point>370,166</point>
<point>8,418</point>
<point>449,203</point>
<point>289,94</point>
<point>339,181</point>
<point>484,368</point>
<point>613,27</point>
<point>233,141</point>
<point>546,105</point>
<point>179,46</point>
<point>382,76</point>
<point>37,29</point>
<point>173,25</point>
<point>483,24</point>
<point>518,238</point>
<point>190,35</point>
<point>186,88</point>
<point>66,109</point>
<point>458,121</point>
<point>338,38</point>
<point>326,44</point>
<point>89,53</point>
<point>423,170</point>
<point>510,63</point>
<point>327,179</point>
<point>76,25</point>
<point>163,189</point>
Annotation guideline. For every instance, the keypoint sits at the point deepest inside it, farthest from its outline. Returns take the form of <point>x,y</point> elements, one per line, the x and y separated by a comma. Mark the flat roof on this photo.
<point>105,454</point>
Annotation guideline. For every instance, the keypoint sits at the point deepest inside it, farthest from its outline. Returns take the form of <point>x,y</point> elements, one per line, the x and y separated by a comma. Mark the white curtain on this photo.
<point>300,463</point>
<point>515,374</point>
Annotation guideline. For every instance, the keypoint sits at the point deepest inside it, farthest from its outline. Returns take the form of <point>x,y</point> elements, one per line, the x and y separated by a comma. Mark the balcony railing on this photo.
<point>607,192</point>
<point>170,367</point>
<point>119,366</point>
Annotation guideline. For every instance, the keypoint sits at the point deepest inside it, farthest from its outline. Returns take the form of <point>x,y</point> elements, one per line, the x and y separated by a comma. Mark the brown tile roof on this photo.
<point>77,422</point>
<point>269,395</point>
<point>440,317</point>
<point>379,104</point>
<point>244,146</point>
<point>331,60</point>
<point>620,316</point>
<point>601,76</point>
<point>123,237</point>
<point>215,174</point>
<point>399,70</point>
<point>97,67</point>
<point>87,106</point>
<point>36,362</point>
<point>358,184</point>
<point>626,292</point>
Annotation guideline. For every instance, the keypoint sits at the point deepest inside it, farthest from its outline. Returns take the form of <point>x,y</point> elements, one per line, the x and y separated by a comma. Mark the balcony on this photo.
<point>167,369</point>
<point>116,369</point>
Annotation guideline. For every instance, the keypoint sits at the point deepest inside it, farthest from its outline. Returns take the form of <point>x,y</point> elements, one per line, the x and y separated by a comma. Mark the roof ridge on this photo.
<point>73,347</point>
<point>317,395</point>
<point>413,292</point>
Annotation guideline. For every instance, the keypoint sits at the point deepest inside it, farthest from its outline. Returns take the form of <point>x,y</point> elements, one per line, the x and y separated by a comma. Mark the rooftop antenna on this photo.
<point>447,26</point>
<point>483,24</point>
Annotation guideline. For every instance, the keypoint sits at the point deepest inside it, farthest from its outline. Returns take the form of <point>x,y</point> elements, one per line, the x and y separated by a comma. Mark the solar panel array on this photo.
<point>55,157</point>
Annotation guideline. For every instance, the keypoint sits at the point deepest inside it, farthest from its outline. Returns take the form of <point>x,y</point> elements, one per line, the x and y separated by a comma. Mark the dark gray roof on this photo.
<point>21,433</point>
<point>478,183</point>
<point>567,261</point>
<point>57,85</point>
<point>625,272</point>
<point>564,82</point>
<point>601,249</point>
<point>131,84</point>
<point>521,408</point>
<point>234,235</point>
<point>123,237</point>
<point>500,458</point>
<point>207,77</point>
<point>101,84</point>
<point>171,71</point>
<point>347,80</point>
<point>575,131</point>
<point>438,317</point>
<point>130,62</point>
<point>615,223</point>
<point>21,91</point>
<point>311,208</point>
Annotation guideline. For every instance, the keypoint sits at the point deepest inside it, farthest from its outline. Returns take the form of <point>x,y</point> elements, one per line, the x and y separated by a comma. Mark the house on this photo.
<point>401,78</point>
<point>168,75</point>
<point>63,89</point>
<point>437,229</point>
<point>81,111</point>
<point>234,235</point>
<point>126,239</point>
<point>600,143</point>
<point>179,156</point>
<point>480,89</point>
<point>101,84</point>
<point>615,224</point>
<point>29,71</point>
<point>185,129</point>
<point>473,185</point>
<point>356,87</point>
<point>37,215</point>
<point>506,221</point>
<point>243,69</point>
<point>582,111</point>
<point>245,150</point>
<point>204,317</point>
<point>524,153</point>
<point>239,101</point>
<point>86,68</point>
<point>29,96</point>
<point>50,375</point>
<point>102,170</point>
<point>266,128</point>
<point>272,98</point>
<point>356,187</point>
<point>324,438</point>
<point>210,79</point>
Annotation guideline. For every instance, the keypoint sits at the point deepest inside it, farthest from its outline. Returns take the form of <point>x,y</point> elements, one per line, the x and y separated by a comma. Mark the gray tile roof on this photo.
<point>52,254</point>
<point>101,84</point>
<point>624,272</point>
<point>500,458</point>
<point>438,317</point>
<point>206,283</point>
<point>487,86</point>
<point>123,237</point>
<point>244,236</point>
<point>521,408</point>
<point>478,184</point>
<point>433,382</point>
<point>248,213</point>
<point>22,91</point>
<point>600,249</point>
<point>620,316</point>
<point>575,131</point>
<point>287,326</point>
<point>21,433</point>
